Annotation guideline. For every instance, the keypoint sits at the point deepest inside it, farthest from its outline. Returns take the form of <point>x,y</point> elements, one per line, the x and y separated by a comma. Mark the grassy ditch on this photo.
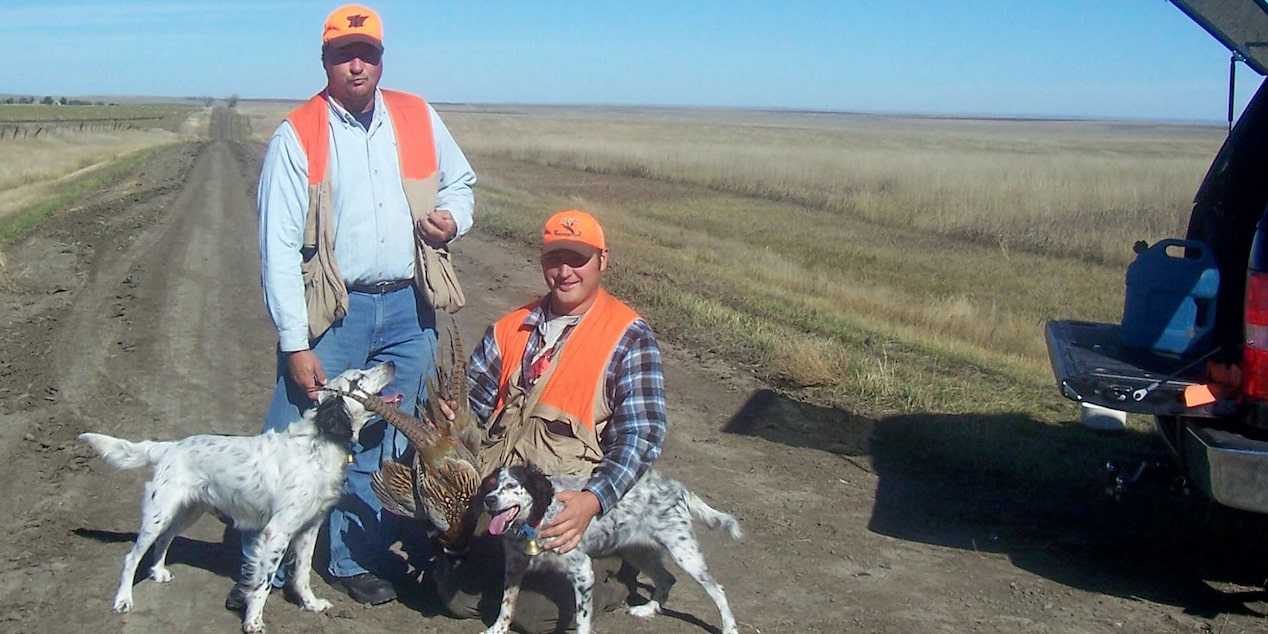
<point>22,221</point>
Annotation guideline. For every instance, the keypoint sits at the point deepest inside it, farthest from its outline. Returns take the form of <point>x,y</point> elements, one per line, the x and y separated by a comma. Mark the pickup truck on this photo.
<point>1221,443</point>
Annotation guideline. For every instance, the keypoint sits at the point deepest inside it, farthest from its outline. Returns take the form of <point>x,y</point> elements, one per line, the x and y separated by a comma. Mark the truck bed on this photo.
<point>1091,365</point>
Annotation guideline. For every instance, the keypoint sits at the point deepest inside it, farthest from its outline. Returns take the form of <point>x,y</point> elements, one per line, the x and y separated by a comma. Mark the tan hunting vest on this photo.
<point>556,424</point>
<point>324,290</point>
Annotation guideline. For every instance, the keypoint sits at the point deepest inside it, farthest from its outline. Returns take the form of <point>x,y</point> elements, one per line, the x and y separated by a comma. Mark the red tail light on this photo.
<point>1255,355</point>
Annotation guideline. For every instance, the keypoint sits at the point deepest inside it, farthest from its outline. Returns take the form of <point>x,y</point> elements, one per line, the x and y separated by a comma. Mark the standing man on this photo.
<point>571,382</point>
<point>356,185</point>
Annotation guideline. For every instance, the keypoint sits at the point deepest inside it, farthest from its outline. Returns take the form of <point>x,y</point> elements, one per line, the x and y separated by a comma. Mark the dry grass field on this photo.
<point>875,263</point>
<point>1015,184</point>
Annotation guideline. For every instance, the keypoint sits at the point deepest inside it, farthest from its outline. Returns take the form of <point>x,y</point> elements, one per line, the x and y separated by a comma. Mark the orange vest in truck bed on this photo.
<point>556,424</point>
<point>324,289</point>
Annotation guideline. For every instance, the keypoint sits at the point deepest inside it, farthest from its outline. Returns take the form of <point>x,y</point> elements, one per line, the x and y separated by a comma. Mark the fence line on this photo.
<point>32,129</point>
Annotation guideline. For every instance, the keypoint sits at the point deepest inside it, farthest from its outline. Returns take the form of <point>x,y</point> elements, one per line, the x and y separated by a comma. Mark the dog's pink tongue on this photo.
<point>501,520</point>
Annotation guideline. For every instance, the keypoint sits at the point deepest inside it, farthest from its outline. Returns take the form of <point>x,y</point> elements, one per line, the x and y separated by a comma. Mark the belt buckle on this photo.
<point>380,288</point>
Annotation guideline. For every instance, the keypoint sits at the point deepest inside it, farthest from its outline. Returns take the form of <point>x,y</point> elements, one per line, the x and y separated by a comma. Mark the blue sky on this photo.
<point>1073,58</point>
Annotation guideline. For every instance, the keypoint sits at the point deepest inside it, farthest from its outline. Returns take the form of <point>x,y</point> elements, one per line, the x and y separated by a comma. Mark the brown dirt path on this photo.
<point>139,314</point>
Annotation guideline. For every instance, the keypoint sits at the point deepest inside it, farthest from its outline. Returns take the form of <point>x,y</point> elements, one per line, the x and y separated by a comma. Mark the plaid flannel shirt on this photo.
<point>634,386</point>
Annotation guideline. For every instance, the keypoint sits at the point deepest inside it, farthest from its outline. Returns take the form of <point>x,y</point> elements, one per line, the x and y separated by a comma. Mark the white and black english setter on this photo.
<point>654,518</point>
<point>280,483</point>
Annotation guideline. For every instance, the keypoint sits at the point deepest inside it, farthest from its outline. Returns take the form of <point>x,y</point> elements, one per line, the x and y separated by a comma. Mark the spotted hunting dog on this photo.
<point>654,518</point>
<point>279,483</point>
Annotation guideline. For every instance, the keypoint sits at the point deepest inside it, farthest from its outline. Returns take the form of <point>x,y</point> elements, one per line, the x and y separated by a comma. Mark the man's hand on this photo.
<point>565,531</point>
<point>436,228</point>
<point>306,371</point>
<point>448,408</point>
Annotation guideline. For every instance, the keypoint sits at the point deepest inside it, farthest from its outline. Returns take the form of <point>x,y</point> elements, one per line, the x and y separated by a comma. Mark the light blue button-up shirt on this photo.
<point>374,232</point>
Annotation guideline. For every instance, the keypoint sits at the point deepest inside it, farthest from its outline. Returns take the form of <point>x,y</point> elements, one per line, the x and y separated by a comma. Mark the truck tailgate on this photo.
<point>1091,365</point>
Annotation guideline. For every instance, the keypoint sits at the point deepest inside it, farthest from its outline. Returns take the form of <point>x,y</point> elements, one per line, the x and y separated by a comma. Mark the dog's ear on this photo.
<point>542,491</point>
<point>486,486</point>
<point>333,420</point>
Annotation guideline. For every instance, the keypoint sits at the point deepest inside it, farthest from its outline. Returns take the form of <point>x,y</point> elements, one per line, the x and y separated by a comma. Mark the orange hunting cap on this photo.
<point>353,23</point>
<point>572,229</point>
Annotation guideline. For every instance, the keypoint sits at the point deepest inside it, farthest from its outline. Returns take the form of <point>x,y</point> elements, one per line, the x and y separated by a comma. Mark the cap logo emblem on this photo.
<point>357,21</point>
<point>569,228</point>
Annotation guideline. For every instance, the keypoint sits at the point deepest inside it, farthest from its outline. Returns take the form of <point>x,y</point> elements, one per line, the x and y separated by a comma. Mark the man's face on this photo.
<point>352,74</point>
<point>573,279</point>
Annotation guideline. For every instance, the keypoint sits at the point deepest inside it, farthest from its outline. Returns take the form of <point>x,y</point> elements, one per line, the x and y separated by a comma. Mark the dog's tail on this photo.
<point>713,518</point>
<point>125,454</point>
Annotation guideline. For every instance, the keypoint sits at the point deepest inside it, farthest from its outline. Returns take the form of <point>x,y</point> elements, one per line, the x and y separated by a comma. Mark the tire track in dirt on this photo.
<point>160,334</point>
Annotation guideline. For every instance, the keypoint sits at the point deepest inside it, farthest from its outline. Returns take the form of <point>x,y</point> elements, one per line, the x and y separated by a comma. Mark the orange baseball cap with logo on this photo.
<point>353,23</point>
<point>572,229</point>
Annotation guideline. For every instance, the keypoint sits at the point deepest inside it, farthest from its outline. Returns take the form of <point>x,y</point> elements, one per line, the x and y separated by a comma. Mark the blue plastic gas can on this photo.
<point>1170,303</point>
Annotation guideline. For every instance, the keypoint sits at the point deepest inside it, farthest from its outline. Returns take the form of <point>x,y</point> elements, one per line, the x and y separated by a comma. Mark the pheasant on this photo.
<point>439,486</point>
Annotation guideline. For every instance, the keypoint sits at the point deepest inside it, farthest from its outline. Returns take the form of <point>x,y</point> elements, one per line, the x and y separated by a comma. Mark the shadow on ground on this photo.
<point>403,567</point>
<point>1041,494</point>
<point>213,557</point>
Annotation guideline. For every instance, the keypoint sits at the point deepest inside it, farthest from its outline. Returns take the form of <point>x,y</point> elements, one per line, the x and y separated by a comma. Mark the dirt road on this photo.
<point>139,314</point>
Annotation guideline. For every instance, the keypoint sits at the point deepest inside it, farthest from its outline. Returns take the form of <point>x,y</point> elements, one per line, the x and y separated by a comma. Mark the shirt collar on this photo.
<point>343,115</point>
<point>537,317</point>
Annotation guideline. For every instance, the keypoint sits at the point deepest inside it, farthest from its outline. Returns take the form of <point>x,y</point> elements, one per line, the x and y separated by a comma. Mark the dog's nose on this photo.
<point>490,500</point>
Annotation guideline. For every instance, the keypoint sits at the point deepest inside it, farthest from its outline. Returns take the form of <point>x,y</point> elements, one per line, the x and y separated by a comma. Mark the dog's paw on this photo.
<point>160,575</point>
<point>122,606</point>
<point>253,626</point>
<point>645,611</point>
<point>317,605</point>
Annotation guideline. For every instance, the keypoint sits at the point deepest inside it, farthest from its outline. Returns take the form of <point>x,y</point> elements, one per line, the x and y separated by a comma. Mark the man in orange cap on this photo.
<point>584,394</point>
<point>359,184</point>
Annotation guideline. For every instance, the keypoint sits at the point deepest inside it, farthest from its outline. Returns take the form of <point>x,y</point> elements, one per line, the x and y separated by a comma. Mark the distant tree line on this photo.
<point>60,101</point>
<point>232,100</point>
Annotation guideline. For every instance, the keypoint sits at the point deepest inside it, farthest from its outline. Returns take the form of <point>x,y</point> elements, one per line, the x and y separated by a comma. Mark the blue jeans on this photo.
<point>398,327</point>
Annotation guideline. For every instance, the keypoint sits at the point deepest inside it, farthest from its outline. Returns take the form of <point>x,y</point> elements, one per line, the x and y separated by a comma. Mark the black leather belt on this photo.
<point>380,288</point>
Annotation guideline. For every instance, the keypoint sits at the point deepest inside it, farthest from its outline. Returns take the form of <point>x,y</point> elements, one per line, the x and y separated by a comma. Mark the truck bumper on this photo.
<point>1231,469</point>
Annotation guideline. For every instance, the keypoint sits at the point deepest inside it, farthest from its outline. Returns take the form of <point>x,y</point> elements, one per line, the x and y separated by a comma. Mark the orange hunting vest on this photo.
<point>410,121</point>
<point>324,290</point>
<point>556,424</point>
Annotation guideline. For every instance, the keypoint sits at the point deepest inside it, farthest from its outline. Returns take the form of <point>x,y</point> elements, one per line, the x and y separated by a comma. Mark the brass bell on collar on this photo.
<point>532,548</point>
